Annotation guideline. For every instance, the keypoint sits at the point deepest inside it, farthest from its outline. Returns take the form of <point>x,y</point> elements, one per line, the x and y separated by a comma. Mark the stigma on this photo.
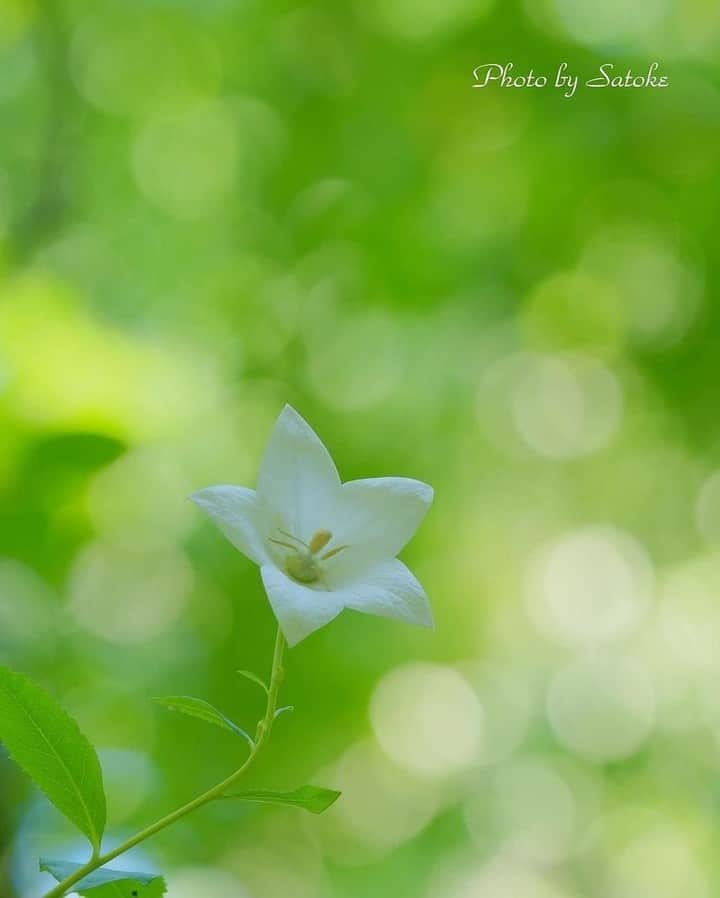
<point>304,562</point>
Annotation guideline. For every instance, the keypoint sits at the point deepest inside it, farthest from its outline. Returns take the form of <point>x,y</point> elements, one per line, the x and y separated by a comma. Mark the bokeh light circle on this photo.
<point>560,407</point>
<point>689,614</point>
<point>383,806</point>
<point>427,719</point>
<point>127,596</point>
<point>574,311</point>
<point>645,850</point>
<point>502,877</point>
<point>530,809</point>
<point>138,502</point>
<point>707,509</point>
<point>126,64</point>
<point>660,289</point>
<point>611,22</point>
<point>426,19</point>
<point>360,363</point>
<point>185,162</point>
<point>567,407</point>
<point>603,709</point>
<point>591,586</point>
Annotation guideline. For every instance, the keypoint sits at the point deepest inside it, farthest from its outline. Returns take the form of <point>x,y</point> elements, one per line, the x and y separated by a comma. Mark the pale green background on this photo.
<point>209,208</point>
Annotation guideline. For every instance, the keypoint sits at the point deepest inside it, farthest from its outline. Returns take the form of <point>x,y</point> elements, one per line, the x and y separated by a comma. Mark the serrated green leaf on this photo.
<point>254,678</point>
<point>202,710</point>
<point>105,883</point>
<point>310,798</point>
<point>47,744</point>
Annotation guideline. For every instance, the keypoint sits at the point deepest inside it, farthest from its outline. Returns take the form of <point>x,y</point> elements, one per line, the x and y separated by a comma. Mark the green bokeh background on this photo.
<point>209,208</point>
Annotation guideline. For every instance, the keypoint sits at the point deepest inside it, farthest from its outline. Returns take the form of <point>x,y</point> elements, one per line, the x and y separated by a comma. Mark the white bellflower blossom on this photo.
<point>323,545</point>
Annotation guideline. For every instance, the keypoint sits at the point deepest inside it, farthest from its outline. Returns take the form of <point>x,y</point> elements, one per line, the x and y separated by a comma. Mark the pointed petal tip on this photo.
<point>289,411</point>
<point>291,421</point>
<point>199,497</point>
<point>298,609</point>
<point>428,493</point>
<point>291,418</point>
<point>210,496</point>
<point>424,620</point>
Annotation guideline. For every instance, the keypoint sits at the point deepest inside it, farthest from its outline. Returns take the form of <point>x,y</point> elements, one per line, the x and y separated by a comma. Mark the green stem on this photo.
<point>263,734</point>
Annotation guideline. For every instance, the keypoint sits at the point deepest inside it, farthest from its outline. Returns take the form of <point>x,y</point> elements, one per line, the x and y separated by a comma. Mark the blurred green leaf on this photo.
<point>202,710</point>
<point>310,798</point>
<point>106,883</point>
<point>254,678</point>
<point>47,743</point>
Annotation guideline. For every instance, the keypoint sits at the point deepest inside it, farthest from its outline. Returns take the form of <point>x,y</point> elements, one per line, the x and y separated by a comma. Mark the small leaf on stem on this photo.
<point>105,883</point>
<point>310,798</point>
<point>202,710</point>
<point>254,678</point>
<point>279,711</point>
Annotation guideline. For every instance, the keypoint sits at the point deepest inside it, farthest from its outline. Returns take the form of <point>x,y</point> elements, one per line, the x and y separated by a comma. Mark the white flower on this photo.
<point>323,545</point>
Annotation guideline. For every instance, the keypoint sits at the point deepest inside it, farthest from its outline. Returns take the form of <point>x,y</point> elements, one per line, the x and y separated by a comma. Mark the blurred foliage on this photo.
<point>211,207</point>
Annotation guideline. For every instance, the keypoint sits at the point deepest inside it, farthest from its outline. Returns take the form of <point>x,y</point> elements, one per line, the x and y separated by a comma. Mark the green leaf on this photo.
<point>202,710</point>
<point>47,743</point>
<point>254,678</point>
<point>105,883</point>
<point>310,798</point>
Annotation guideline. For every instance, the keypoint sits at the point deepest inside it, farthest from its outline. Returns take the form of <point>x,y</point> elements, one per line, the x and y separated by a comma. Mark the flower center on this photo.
<point>304,560</point>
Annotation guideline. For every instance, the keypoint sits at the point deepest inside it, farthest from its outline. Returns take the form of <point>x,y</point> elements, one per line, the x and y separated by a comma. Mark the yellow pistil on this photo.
<point>319,540</point>
<point>303,563</point>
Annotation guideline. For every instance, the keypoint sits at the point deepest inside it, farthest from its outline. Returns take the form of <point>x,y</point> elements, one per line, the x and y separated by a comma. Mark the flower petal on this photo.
<point>241,517</point>
<point>298,479</point>
<point>389,589</point>
<point>377,518</point>
<point>299,609</point>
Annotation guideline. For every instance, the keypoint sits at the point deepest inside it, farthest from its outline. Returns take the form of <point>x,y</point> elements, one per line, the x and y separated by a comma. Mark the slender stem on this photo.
<point>263,733</point>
